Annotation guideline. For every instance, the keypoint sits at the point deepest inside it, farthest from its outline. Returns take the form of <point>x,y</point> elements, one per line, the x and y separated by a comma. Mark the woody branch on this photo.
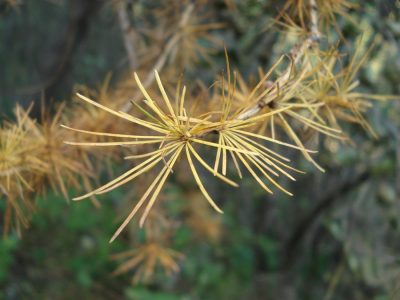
<point>296,53</point>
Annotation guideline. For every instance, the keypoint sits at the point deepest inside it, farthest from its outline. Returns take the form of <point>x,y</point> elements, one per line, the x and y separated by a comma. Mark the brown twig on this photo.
<point>296,53</point>
<point>315,34</point>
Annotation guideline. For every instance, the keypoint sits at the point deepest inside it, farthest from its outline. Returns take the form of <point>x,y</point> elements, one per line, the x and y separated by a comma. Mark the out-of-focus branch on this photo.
<point>128,33</point>
<point>80,14</point>
<point>315,34</point>
<point>162,59</point>
<point>326,202</point>
<point>160,63</point>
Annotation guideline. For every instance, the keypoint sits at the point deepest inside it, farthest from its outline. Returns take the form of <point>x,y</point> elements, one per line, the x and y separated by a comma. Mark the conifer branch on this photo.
<point>296,53</point>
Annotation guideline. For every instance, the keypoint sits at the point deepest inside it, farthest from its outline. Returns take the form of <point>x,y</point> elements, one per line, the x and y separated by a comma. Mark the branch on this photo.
<point>326,202</point>
<point>128,33</point>
<point>162,59</point>
<point>160,63</point>
<point>61,53</point>
<point>296,53</point>
<point>315,34</point>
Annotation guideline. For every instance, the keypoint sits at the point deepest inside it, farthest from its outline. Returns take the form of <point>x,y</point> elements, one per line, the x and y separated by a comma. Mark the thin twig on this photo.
<point>315,34</point>
<point>296,53</point>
